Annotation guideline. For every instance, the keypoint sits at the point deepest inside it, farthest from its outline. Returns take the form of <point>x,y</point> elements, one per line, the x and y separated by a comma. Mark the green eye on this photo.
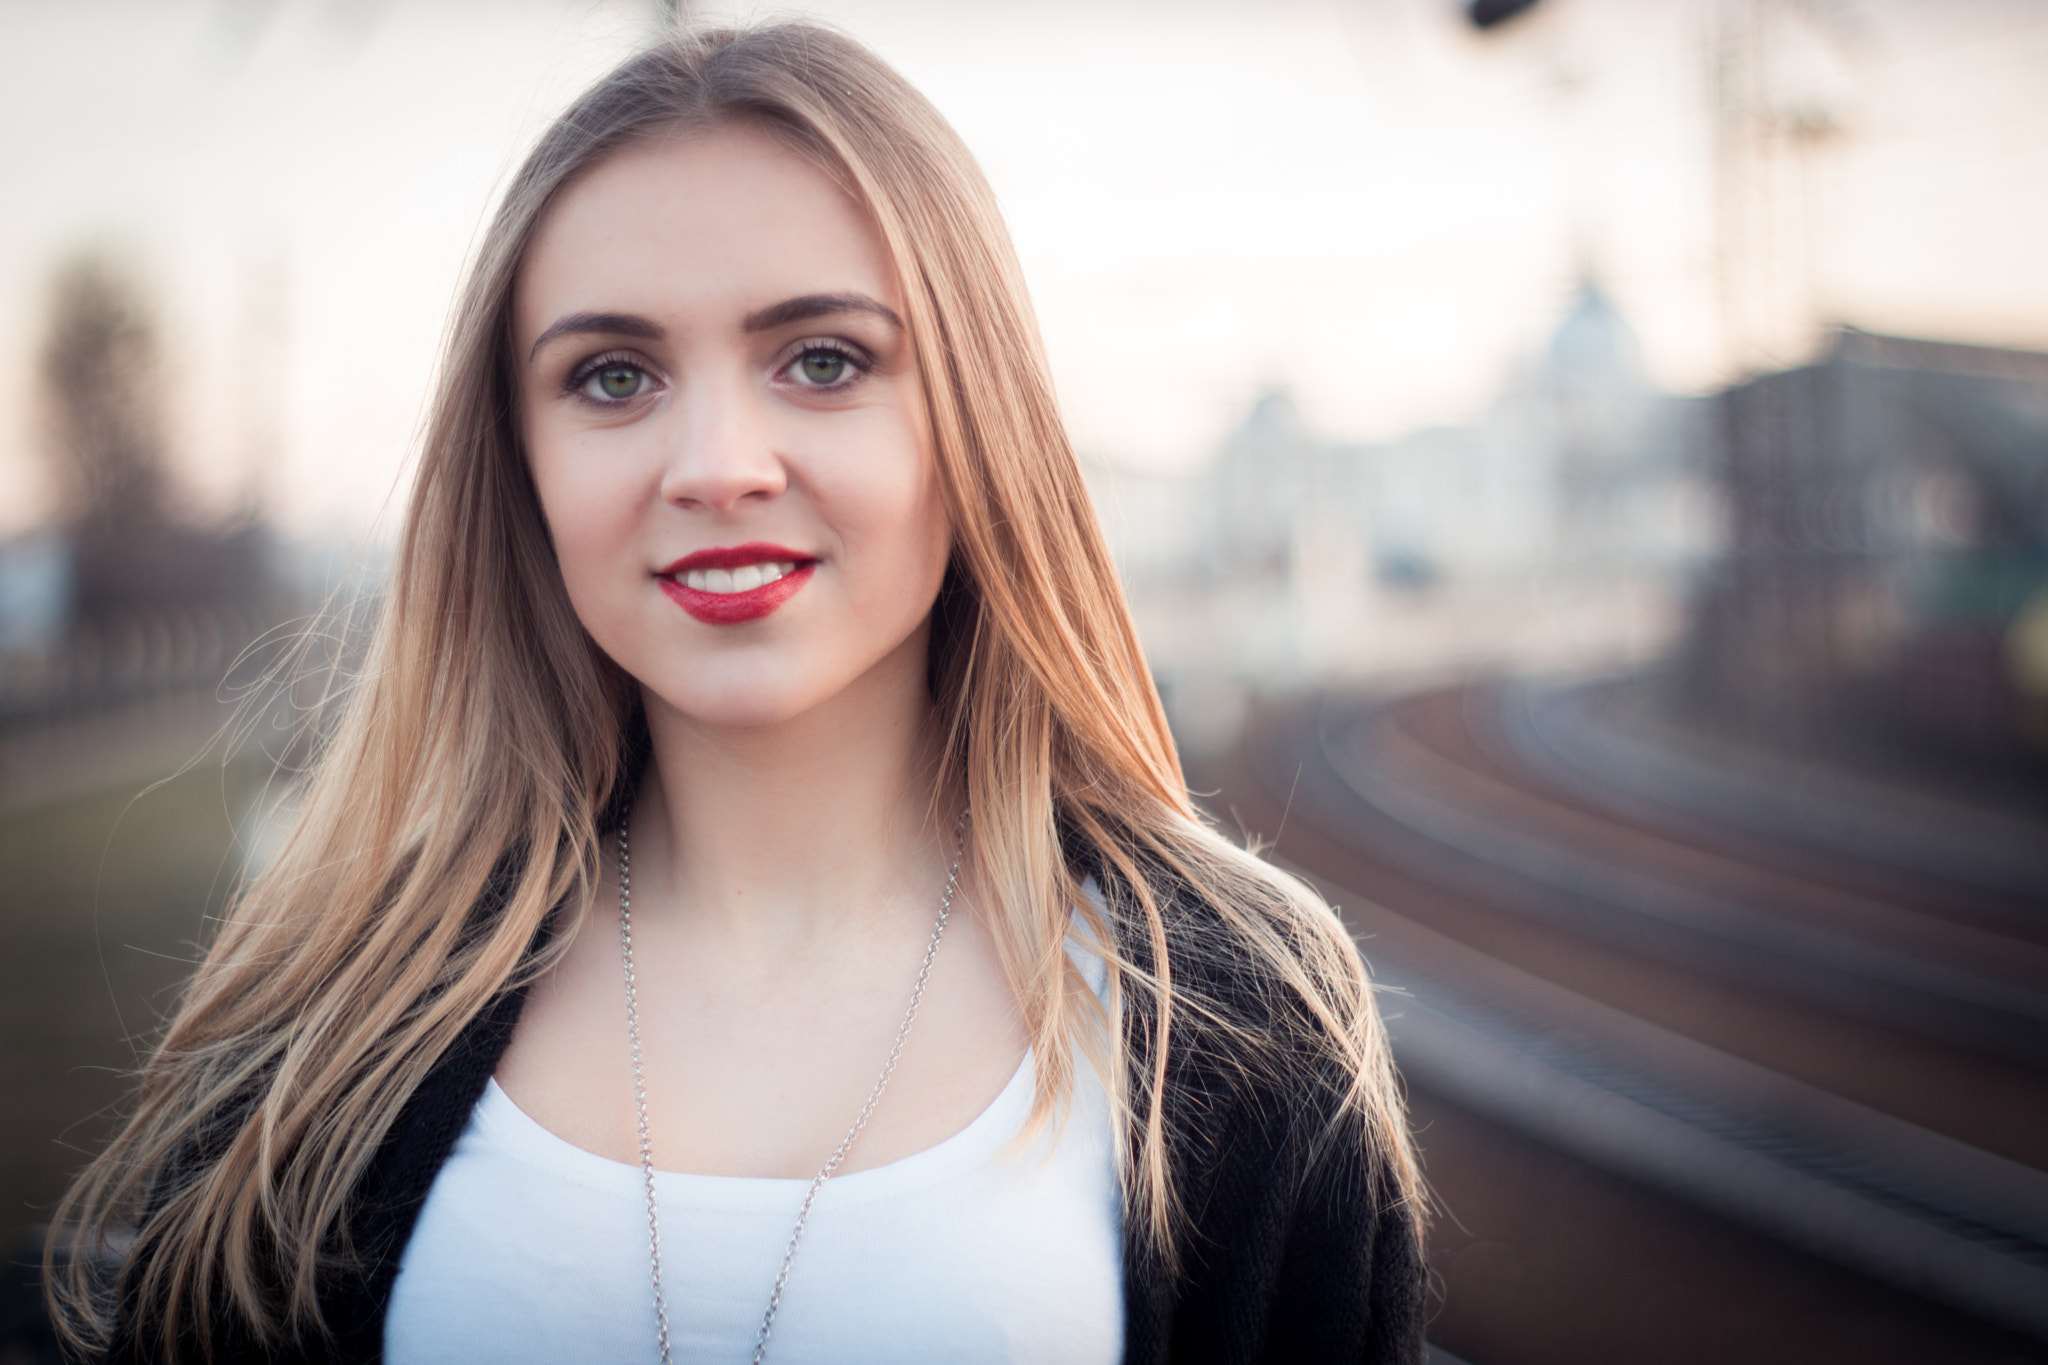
<point>823,367</point>
<point>619,381</point>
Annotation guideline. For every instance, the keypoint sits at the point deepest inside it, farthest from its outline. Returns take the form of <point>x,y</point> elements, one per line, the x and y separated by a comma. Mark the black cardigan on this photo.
<point>1299,1250</point>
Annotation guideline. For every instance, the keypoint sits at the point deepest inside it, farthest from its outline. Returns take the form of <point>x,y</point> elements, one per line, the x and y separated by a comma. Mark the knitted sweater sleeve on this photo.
<point>1295,1251</point>
<point>1350,1281</point>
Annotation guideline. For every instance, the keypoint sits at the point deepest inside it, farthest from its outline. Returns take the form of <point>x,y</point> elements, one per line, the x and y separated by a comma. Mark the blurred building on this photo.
<point>1888,555</point>
<point>35,592</point>
<point>1557,529</point>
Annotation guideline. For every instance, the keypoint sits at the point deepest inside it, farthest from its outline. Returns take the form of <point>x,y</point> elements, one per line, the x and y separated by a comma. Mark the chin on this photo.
<point>757,689</point>
<point>739,703</point>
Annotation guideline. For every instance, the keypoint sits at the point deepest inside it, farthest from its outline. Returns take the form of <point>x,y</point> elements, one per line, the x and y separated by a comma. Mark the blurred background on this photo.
<point>1580,468</point>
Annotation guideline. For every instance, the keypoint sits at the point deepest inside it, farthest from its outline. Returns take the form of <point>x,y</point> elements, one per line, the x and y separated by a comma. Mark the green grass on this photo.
<point>103,902</point>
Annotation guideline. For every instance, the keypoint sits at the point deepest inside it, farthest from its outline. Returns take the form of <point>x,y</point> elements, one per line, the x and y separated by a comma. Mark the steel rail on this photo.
<point>1869,1191</point>
<point>1402,781</point>
<point>1551,728</point>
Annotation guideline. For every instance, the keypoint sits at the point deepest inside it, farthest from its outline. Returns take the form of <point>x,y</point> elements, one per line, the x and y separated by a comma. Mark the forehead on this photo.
<point>694,225</point>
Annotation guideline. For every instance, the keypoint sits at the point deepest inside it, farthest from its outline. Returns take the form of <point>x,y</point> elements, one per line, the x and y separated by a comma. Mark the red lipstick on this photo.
<point>721,597</point>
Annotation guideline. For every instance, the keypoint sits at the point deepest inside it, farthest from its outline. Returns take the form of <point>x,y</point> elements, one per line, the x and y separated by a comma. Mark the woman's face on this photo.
<point>726,427</point>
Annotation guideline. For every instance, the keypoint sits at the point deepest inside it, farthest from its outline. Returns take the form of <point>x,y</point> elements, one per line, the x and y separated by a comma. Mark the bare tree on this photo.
<point>131,550</point>
<point>99,370</point>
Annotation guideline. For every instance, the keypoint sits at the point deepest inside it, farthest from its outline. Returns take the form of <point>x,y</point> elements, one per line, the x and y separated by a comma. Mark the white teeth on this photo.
<point>743,579</point>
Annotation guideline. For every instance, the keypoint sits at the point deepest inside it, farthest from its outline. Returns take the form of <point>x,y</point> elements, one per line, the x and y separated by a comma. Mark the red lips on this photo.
<point>732,608</point>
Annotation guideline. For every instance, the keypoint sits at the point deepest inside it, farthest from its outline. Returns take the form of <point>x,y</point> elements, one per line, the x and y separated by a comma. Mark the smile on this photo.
<point>745,578</point>
<point>734,584</point>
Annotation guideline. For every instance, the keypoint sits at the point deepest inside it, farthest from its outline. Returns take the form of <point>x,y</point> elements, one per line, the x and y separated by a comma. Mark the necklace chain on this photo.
<point>832,1163</point>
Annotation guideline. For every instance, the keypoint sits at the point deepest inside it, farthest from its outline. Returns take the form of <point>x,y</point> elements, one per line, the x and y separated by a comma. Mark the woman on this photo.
<point>757,778</point>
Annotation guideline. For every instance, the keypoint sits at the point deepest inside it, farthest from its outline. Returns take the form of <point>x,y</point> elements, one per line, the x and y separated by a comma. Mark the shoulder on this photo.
<point>1257,973</point>
<point>1296,1230</point>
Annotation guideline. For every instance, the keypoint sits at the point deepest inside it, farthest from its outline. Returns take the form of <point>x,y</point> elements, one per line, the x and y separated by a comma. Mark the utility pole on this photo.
<point>1769,120</point>
<point>1782,588</point>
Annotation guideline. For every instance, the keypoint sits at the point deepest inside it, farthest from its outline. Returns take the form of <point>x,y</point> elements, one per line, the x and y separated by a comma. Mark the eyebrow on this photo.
<point>610,324</point>
<point>807,306</point>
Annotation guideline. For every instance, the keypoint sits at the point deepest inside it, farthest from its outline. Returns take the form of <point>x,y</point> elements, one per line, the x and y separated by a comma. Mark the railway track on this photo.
<point>1812,1088</point>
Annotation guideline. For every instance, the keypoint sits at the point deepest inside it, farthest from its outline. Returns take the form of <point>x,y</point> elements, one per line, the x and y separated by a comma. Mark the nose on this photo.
<point>719,452</point>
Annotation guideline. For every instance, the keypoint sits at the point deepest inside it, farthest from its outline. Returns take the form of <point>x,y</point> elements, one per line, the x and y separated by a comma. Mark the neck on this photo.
<point>772,836</point>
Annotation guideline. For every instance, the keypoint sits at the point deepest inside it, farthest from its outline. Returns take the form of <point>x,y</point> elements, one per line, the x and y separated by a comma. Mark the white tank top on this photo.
<point>530,1249</point>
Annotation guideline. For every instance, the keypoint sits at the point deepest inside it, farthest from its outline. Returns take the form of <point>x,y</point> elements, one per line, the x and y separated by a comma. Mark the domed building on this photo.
<point>1555,528</point>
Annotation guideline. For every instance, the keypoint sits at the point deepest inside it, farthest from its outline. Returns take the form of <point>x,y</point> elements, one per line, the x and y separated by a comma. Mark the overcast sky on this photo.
<point>1360,199</point>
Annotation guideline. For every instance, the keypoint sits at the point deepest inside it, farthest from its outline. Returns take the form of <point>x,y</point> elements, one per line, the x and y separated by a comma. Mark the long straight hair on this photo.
<point>487,736</point>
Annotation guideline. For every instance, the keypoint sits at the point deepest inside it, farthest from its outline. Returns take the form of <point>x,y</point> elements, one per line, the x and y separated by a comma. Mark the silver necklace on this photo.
<point>832,1163</point>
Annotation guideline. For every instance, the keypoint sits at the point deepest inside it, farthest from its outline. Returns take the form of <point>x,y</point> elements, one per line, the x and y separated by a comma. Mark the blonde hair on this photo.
<point>487,738</point>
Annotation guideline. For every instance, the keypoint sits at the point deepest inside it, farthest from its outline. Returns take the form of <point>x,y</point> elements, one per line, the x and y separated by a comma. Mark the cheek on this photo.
<point>588,515</point>
<point>901,518</point>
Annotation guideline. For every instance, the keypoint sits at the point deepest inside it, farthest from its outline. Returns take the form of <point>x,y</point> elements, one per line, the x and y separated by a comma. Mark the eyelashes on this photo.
<point>609,380</point>
<point>826,366</point>
<point>822,365</point>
